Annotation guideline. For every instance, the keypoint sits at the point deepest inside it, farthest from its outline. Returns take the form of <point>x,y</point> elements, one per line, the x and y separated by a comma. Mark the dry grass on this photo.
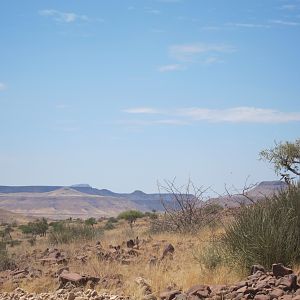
<point>183,271</point>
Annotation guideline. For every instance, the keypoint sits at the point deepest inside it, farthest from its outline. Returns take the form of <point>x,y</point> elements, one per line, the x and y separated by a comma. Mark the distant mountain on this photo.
<point>260,191</point>
<point>79,200</point>
<point>82,200</point>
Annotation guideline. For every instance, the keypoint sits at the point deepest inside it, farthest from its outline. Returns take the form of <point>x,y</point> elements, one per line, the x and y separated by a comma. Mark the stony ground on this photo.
<point>148,268</point>
<point>281,283</point>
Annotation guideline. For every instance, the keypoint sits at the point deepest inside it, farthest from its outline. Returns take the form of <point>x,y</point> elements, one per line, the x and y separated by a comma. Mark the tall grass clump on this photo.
<point>66,233</point>
<point>266,232</point>
<point>6,261</point>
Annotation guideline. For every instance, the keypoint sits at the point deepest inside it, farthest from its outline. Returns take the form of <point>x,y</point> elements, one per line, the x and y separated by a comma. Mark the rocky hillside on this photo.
<point>260,191</point>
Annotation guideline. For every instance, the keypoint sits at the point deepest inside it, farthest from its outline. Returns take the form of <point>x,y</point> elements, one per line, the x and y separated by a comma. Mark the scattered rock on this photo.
<point>279,270</point>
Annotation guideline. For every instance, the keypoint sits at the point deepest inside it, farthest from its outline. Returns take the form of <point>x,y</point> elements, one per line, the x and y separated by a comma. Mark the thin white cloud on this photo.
<point>153,11</point>
<point>171,122</point>
<point>285,23</point>
<point>170,68</point>
<point>211,28</point>
<point>64,17</point>
<point>242,114</point>
<point>290,7</point>
<point>3,86</point>
<point>188,52</point>
<point>249,25</point>
<point>142,110</point>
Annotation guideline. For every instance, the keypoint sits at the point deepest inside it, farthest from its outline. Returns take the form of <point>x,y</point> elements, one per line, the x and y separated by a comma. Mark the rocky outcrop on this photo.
<point>281,284</point>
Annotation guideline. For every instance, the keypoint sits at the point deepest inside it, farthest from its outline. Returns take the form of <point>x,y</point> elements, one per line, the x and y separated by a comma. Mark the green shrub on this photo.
<point>90,221</point>
<point>267,232</point>
<point>65,233</point>
<point>38,227</point>
<point>112,220</point>
<point>210,256</point>
<point>109,226</point>
<point>131,216</point>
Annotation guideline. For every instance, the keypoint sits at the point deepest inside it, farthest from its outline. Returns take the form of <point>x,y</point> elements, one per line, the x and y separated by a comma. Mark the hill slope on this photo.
<point>83,201</point>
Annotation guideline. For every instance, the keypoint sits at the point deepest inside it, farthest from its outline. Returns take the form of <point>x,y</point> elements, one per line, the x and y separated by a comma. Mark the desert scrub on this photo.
<point>6,261</point>
<point>65,233</point>
<point>210,256</point>
<point>266,232</point>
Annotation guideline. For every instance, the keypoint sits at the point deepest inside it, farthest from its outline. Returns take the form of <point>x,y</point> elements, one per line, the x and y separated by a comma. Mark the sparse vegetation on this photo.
<point>6,262</point>
<point>66,232</point>
<point>38,227</point>
<point>90,221</point>
<point>285,158</point>
<point>131,216</point>
<point>266,232</point>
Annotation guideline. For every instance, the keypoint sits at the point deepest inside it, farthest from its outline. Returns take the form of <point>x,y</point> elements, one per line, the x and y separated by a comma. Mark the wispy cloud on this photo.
<point>289,7</point>
<point>242,114</point>
<point>3,86</point>
<point>64,17</point>
<point>285,23</point>
<point>152,11</point>
<point>249,25</point>
<point>189,52</point>
<point>171,68</point>
<point>142,110</point>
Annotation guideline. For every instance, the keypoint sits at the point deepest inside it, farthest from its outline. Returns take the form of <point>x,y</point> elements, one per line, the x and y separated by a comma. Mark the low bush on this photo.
<point>211,255</point>
<point>6,262</point>
<point>109,226</point>
<point>266,232</point>
<point>65,233</point>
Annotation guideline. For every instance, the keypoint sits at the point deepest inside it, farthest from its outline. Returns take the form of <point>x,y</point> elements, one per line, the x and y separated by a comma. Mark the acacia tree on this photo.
<point>131,216</point>
<point>285,158</point>
<point>90,221</point>
<point>185,208</point>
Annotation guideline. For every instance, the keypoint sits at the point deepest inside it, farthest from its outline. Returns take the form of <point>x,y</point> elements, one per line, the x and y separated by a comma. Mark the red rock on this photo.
<point>169,295</point>
<point>276,293</point>
<point>262,297</point>
<point>70,277</point>
<point>279,270</point>
<point>199,290</point>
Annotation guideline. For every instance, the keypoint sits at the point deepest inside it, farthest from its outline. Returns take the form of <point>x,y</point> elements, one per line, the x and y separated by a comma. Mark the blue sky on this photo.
<point>120,94</point>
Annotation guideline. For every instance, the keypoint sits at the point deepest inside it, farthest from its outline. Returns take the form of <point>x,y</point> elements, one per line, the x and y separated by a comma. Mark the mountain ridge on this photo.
<point>84,201</point>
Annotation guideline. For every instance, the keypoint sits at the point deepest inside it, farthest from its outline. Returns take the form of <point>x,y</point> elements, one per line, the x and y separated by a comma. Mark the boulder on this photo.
<point>279,270</point>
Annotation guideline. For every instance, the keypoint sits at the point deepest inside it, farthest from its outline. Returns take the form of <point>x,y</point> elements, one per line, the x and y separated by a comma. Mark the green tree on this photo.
<point>285,158</point>
<point>38,227</point>
<point>90,221</point>
<point>131,216</point>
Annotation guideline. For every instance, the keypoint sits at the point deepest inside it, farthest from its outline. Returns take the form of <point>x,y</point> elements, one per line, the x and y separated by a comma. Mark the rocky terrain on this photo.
<point>281,283</point>
<point>57,265</point>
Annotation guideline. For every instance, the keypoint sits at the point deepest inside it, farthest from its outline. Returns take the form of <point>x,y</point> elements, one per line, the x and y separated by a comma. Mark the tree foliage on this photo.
<point>38,227</point>
<point>90,221</point>
<point>131,216</point>
<point>285,158</point>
